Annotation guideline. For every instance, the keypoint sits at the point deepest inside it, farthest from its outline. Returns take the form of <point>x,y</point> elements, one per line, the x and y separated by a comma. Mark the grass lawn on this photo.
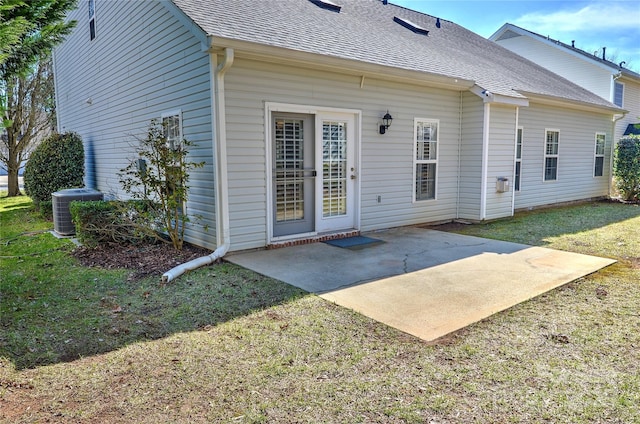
<point>223,344</point>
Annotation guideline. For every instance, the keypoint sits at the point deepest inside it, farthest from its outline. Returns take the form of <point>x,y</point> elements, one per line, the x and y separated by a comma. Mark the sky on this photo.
<point>592,24</point>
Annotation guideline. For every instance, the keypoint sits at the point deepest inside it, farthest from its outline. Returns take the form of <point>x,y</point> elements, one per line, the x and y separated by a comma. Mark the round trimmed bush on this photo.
<point>56,164</point>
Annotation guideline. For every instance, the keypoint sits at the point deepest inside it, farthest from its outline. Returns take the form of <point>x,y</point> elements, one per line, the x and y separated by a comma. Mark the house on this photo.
<point>609,80</point>
<point>285,102</point>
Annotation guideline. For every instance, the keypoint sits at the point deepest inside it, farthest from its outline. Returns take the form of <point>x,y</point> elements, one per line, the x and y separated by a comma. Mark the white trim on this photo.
<point>485,160</point>
<point>426,161</point>
<point>596,155</point>
<point>520,129</point>
<point>269,109</point>
<point>545,156</point>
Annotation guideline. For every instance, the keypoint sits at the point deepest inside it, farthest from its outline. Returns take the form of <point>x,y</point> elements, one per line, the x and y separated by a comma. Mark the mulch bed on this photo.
<point>144,259</point>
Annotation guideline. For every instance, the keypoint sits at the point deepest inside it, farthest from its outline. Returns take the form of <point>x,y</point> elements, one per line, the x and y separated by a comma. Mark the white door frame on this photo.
<point>271,107</point>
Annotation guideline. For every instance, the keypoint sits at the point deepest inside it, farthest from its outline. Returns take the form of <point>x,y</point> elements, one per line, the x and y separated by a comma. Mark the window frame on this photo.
<point>92,19</point>
<point>547,156</point>
<point>416,161</point>
<point>621,85</point>
<point>517,174</point>
<point>597,155</point>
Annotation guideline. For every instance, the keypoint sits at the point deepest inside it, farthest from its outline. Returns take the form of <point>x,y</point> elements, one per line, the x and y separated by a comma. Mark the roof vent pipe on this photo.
<point>437,22</point>
<point>573,43</point>
<point>385,2</point>
<point>622,63</point>
<point>604,50</point>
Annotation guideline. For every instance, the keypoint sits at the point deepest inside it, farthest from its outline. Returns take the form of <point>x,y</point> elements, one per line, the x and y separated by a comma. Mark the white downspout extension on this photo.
<point>485,161</point>
<point>218,115</point>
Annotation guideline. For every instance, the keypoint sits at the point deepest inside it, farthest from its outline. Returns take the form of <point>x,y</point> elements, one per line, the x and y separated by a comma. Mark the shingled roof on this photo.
<point>365,31</point>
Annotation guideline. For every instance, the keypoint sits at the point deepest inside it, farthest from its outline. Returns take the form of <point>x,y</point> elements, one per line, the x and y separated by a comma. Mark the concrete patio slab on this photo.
<point>426,283</point>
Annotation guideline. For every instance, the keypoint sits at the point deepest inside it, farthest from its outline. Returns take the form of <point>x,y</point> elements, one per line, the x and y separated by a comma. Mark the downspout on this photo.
<point>218,117</point>
<point>515,158</point>
<point>460,111</point>
<point>485,161</point>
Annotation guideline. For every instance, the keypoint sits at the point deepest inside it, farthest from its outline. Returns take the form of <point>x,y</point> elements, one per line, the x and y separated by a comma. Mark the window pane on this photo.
<point>425,181</point>
<point>171,128</point>
<point>550,169</point>
<point>618,94</point>
<point>92,8</point>
<point>600,142</point>
<point>519,145</point>
<point>552,143</point>
<point>517,179</point>
<point>599,169</point>
<point>289,169</point>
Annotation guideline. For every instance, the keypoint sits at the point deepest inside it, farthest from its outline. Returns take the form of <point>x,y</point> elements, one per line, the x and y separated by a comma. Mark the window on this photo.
<point>172,126</point>
<point>618,93</point>
<point>551,155</point>
<point>426,158</point>
<point>92,19</point>
<point>598,170</point>
<point>518,160</point>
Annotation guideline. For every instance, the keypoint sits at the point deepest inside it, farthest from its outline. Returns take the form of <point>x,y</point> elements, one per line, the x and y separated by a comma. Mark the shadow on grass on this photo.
<point>70,311</point>
<point>538,227</point>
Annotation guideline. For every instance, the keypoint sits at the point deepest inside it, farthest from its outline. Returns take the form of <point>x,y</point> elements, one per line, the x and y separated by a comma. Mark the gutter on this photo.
<point>218,115</point>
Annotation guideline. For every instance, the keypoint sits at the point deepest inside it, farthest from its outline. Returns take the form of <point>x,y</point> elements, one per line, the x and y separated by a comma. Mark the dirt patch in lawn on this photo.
<point>144,259</point>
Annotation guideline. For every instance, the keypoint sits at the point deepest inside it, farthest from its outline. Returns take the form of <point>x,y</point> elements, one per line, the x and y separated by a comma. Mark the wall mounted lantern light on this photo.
<point>386,122</point>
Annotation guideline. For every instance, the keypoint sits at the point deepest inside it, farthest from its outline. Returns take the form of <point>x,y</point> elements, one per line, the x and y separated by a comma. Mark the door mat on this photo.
<point>354,243</point>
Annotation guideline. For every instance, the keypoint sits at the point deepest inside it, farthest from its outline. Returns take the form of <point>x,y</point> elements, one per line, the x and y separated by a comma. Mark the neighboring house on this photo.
<point>609,80</point>
<point>285,100</point>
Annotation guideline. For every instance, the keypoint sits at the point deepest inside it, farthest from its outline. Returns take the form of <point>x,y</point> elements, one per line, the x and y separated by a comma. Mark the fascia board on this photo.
<point>261,52</point>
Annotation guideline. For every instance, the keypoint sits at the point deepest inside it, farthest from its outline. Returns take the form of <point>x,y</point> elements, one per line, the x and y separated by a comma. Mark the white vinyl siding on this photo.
<point>385,161</point>
<point>144,62</point>
<point>502,133</point>
<point>470,157</point>
<point>551,155</point>
<point>573,67</point>
<point>575,176</point>
<point>425,158</point>
<point>598,167</point>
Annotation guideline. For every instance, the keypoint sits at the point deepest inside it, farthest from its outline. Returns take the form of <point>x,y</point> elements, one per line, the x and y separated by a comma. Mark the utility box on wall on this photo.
<point>502,185</point>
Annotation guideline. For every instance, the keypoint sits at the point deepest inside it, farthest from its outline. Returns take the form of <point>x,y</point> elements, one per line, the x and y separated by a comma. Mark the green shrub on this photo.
<point>159,177</point>
<point>100,222</point>
<point>626,167</point>
<point>56,164</point>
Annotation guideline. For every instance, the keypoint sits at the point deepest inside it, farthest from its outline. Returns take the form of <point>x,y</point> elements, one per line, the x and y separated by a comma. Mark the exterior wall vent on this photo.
<point>62,223</point>
<point>410,25</point>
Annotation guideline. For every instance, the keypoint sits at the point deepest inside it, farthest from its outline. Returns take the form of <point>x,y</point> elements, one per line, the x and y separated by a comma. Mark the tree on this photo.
<point>29,30</point>
<point>28,118</point>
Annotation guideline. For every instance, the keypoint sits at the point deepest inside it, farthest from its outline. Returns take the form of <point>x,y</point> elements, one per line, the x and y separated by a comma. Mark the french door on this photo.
<point>314,173</point>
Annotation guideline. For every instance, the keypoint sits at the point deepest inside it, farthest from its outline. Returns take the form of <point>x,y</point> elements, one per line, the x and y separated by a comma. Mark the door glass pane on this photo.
<point>334,168</point>
<point>289,169</point>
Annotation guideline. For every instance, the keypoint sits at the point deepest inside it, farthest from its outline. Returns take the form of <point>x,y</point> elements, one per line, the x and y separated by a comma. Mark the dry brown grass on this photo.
<point>569,356</point>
